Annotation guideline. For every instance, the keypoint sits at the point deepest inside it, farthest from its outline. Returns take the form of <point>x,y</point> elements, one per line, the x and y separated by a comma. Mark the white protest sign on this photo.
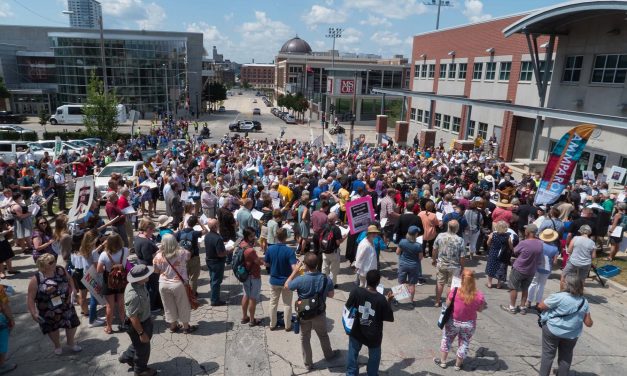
<point>94,283</point>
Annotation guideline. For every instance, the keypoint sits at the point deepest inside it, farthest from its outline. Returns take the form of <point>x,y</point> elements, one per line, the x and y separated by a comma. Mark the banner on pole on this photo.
<point>359,214</point>
<point>562,163</point>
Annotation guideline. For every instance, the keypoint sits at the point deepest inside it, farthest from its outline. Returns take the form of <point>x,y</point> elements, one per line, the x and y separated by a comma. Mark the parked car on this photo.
<point>8,117</point>
<point>10,150</point>
<point>126,169</point>
<point>289,119</point>
<point>274,111</point>
<point>81,143</point>
<point>93,141</point>
<point>257,125</point>
<point>221,109</point>
<point>256,111</point>
<point>15,128</point>
<point>66,147</point>
<point>245,126</point>
<point>254,101</point>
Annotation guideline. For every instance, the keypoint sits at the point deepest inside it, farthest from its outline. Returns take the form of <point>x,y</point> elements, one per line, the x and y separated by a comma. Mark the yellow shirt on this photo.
<point>344,195</point>
<point>285,192</point>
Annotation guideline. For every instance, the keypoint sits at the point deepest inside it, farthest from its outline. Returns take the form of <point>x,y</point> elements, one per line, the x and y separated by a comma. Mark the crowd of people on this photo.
<point>259,206</point>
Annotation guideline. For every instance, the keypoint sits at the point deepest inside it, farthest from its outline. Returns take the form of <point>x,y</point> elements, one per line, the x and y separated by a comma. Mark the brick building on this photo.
<point>259,76</point>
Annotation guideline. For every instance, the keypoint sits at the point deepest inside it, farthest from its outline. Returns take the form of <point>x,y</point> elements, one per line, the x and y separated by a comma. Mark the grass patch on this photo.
<point>620,261</point>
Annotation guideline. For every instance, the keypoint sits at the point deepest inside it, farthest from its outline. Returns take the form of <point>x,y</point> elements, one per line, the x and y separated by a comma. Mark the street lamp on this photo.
<point>167,93</point>
<point>439,4</point>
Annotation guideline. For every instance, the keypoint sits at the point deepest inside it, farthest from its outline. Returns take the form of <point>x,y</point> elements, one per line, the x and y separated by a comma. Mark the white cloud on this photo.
<point>145,15</point>
<point>5,9</point>
<point>375,21</point>
<point>323,15</point>
<point>473,9</point>
<point>397,9</point>
<point>229,16</point>
<point>263,38</point>
<point>386,38</point>
<point>211,34</point>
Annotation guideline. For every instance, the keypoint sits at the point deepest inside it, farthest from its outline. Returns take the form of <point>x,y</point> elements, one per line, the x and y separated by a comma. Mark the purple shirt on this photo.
<point>529,256</point>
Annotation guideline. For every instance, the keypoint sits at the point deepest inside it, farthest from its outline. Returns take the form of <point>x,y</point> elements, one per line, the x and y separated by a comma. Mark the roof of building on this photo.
<point>295,46</point>
<point>556,19</point>
<point>260,65</point>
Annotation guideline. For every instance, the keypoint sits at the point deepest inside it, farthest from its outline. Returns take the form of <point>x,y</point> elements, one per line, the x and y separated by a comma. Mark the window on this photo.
<point>416,71</point>
<point>442,70</point>
<point>413,114</point>
<point>609,69</point>
<point>431,70</point>
<point>438,120</point>
<point>483,130</point>
<point>471,128</point>
<point>572,69</point>
<point>423,71</point>
<point>463,67</point>
<point>542,64</point>
<point>452,70</point>
<point>490,71</point>
<point>477,71</point>
<point>419,116</point>
<point>456,122</point>
<point>446,124</point>
<point>526,71</point>
<point>506,69</point>
<point>427,117</point>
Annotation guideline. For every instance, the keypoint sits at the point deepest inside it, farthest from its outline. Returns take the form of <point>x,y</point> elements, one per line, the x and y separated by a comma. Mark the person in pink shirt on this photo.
<point>503,212</point>
<point>467,302</point>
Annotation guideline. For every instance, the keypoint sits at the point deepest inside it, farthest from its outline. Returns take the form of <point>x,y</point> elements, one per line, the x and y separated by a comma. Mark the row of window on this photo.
<point>610,69</point>
<point>448,122</point>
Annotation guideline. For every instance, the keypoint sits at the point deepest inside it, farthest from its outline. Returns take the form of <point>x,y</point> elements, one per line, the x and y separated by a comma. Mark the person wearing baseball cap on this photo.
<point>410,254</point>
<point>137,306</point>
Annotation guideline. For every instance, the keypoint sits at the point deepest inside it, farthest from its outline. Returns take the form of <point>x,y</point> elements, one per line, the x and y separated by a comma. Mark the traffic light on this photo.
<point>332,109</point>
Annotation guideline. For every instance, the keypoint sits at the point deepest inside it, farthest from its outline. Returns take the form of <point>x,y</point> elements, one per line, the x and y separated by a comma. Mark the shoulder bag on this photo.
<point>309,308</point>
<point>447,312</point>
<point>193,300</point>
<point>542,321</point>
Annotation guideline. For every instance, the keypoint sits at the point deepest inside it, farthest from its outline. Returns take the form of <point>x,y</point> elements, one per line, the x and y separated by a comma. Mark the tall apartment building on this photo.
<point>84,14</point>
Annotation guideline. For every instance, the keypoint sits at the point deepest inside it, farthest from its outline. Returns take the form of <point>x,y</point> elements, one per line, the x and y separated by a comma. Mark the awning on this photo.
<point>555,20</point>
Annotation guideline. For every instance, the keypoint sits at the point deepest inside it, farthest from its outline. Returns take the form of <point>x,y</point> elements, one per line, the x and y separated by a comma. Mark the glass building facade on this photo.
<point>136,68</point>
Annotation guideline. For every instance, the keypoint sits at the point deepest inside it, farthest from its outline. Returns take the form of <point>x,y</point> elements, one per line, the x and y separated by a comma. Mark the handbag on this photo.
<point>193,300</point>
<point>541,322</point>
<point>447,312</point>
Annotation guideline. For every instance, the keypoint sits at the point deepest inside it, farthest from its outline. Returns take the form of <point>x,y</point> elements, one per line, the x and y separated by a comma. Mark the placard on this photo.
<point>359,214</point>
<point>401,294</point>
<point>83,198</point>
<point>94,283</point>
<point>617,174</point>
<point>588,175</point>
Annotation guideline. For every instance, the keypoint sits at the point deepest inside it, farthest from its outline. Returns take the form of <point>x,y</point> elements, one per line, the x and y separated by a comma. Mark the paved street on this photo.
<point>503,344</point>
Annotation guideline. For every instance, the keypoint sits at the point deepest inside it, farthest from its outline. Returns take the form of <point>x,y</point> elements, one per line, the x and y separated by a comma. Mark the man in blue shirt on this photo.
<point>282,261</point>
<point>307,286</point>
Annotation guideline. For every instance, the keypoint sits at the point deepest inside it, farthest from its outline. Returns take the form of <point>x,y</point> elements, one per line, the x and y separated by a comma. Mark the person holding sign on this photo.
<point>617,229</point>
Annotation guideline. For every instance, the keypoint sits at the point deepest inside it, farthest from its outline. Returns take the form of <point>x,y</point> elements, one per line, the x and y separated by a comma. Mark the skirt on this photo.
<point>6,252</point>
<point>23,228</point>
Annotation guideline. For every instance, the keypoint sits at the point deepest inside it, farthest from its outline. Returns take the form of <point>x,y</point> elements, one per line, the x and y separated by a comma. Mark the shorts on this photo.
<point>444,275</point>
<point>409,275</point>
<point>519,281</point>
<point>77,276</point>
<point>580,271</point>
<point>252,288</point>
<point>615,240</point>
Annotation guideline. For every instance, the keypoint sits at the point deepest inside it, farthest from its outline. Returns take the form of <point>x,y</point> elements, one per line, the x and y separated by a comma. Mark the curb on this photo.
<point>615,286</point>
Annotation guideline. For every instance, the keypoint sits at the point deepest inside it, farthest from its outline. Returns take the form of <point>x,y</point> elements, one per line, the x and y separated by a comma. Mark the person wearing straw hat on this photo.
<point>366,258</point>
<point>549,251</point>
<point>502,212</point>
<point>163,222</point>
<point>137,306</point>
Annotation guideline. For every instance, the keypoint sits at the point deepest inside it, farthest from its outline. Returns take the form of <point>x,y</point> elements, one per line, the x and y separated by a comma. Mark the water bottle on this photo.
<point>295,324</point>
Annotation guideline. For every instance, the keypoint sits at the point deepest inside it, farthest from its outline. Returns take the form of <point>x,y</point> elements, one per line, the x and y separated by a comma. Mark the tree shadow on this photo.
<point>182,365</point>
<point>485,360</point>
<point>207,328</point>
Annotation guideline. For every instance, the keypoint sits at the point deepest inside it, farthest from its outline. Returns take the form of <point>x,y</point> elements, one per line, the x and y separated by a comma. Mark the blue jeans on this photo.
<point>216,274</point>
<point>352,363</point>
<point>93,309</point>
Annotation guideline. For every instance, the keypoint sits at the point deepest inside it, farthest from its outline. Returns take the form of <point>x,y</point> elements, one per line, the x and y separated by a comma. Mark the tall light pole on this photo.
<point>334,33</point>
<point>439,4</point>
<point>167,94</point>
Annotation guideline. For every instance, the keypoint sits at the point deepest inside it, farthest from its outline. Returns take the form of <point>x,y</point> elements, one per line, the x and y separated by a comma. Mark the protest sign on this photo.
<point>83,198</point>
<point>359,214</point>
<point>94,283</point>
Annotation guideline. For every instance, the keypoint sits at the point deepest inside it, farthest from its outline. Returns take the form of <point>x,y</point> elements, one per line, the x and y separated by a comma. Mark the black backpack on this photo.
<point>327,240</point>
<point>186,241</point>
<point>311,307</point>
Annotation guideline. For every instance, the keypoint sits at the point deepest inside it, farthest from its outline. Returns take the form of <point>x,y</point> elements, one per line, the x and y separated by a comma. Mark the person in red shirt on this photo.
<point>123,203</point>
<point>503,212</point>
<point>115,214</point>
<point>80,167</point>
<point>252,286</point>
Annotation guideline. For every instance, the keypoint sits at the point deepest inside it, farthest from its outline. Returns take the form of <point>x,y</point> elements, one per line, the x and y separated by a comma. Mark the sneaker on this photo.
<point>97,322</point>
<point>419,283</point>
<point>76,348</point>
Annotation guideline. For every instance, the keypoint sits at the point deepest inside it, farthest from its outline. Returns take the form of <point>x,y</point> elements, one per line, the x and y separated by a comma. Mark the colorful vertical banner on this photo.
<point>562,163</point>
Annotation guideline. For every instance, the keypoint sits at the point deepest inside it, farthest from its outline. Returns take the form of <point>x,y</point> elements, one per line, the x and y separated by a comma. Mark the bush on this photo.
<point>78,135</point>
<point>15,136</point>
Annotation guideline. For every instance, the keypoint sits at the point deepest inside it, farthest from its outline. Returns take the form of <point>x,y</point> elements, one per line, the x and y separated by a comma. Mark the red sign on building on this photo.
<point>347,86</point>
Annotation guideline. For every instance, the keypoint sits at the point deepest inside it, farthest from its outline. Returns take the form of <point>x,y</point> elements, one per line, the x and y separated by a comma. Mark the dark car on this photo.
<point>8,117</point>
<point>256,111</point>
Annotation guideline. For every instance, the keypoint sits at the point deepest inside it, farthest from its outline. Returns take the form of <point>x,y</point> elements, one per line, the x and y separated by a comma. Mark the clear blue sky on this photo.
<point>255,29</point>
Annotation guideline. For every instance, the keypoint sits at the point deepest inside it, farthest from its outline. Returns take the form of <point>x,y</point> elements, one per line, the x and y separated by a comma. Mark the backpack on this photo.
<point>116,279</point>
<point>309,308</point>
<point>237,264</point>
<point>327,240</point>
<point>186,241</point>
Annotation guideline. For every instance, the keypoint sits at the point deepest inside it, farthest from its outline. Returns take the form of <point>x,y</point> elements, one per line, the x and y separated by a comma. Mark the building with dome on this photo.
<point>328,79</point>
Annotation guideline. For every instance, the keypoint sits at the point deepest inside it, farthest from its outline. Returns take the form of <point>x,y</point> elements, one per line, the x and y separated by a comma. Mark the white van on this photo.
<point>11,150</point>
<point>73,114</point>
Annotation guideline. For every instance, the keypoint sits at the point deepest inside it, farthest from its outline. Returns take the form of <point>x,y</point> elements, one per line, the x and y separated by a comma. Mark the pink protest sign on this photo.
<point>359,214</point>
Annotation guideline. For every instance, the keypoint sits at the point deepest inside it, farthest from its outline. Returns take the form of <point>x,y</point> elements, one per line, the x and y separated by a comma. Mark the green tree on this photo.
<point>43,118</point>
<point>215,92</point>
<point>100,114</point>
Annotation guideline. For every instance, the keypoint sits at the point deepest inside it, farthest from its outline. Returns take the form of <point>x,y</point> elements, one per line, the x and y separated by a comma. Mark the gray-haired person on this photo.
<point>563,316</point>
<point>581,250</point>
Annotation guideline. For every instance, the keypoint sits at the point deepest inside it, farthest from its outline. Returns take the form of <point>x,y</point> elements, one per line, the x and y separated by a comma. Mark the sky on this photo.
<point>244,30</point>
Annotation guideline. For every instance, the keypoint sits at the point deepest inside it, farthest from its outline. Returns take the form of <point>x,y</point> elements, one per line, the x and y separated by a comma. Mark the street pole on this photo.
<point>197,108</point>
<point>167,94</point>
<point>102,57</point>
<point>439,4</point>
<point>350,145</point>
<point>334,32</point>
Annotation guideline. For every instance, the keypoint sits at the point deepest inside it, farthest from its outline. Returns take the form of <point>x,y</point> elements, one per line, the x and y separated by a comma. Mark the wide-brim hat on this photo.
<point>372,229</point>
<point>548,235</point>
<point>164,220</point>
<point>489,178</point>
<point>504,204</point>
<point>139,273</point>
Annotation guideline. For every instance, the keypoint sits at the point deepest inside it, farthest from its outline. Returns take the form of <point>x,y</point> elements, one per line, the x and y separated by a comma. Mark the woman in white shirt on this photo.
<point>366,258</point>
<point>83,259</point>
<point>115,254</point>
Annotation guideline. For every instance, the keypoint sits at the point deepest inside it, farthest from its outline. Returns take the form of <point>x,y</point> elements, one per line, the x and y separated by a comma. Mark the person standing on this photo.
<point>146,249</point>
<point>581,251</point>
<point>282,261</point>
<point>59,187</point>
<point>563,316</point>
<point>389,214</point>
<point>529,256</point>
<point>500,244</point>
<point>188,238</point>
<point>372,309</point>
<point>430,224</point>
<point>619,220</point>
<point>330,239</point>
<point>307,286</point>
<point>252,285</point>
<point>549,253</point>
<point>137,306</point>
<point>448,258</point>
<point>410,255</point>
<point>366,259</point>
<point>215,254</point>
<point>174,205</point>
<point>115,214</point>
<point>467,301</point>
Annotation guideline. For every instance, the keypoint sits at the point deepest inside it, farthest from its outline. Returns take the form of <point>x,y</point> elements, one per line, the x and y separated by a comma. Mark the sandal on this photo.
<point>174,329</point>
<point>513,311</point>
<point>440,364</point>
<point>190,329</point>
<point>608,259</point>
<point>255,322</point>
<point>245,320</point>
<point>488,285</point>
<point>108,330</point>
